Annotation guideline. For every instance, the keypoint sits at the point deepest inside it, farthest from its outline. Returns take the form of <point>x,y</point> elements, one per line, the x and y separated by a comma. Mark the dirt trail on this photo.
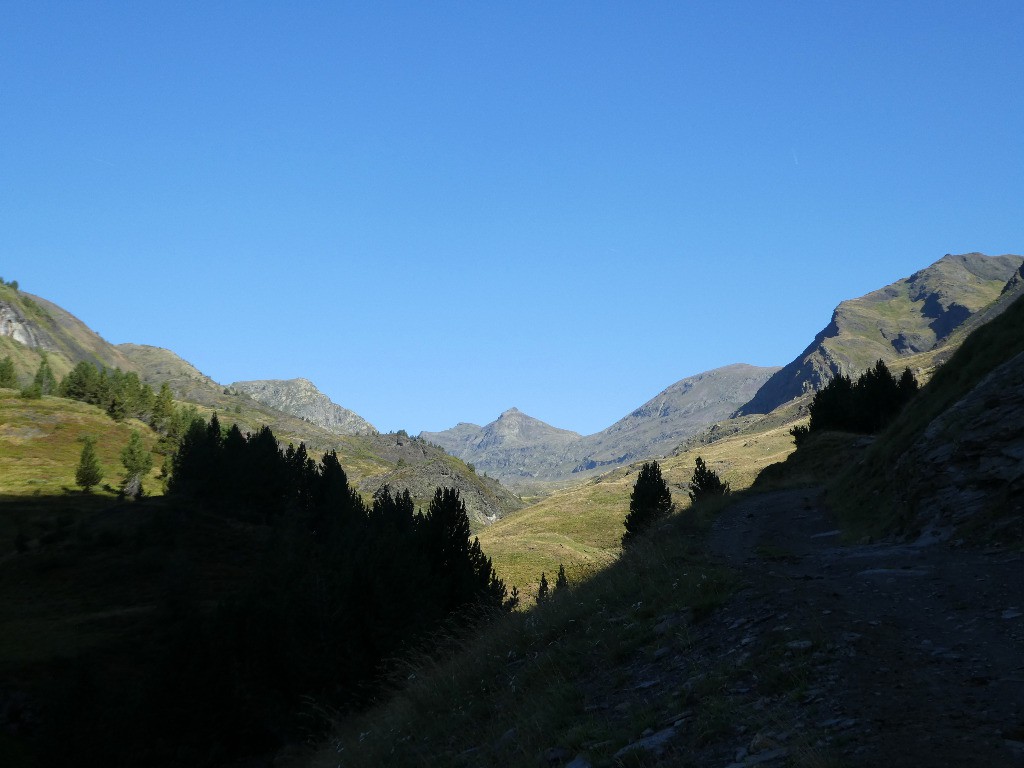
<point>910,656</point>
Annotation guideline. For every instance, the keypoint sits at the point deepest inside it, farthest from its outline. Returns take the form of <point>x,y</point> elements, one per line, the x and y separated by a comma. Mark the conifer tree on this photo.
<point>43,383</point>
<point>649,502</point>
<point>163,409</point>
<point>562,582</point>
<point>542,590</point>
<point>88,473</point>
<point>706,483</point>
<point>137,461</point>
<point>8,377</point>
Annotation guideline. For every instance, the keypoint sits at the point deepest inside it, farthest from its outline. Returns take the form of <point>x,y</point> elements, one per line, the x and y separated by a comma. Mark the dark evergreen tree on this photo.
<point>8,376</point>
<point>461,571</point>
<point>137,461</point>
<point>705,483</point>
<point>43,383</point>
<point>163,409</point>
<point>562,582</point>
<point>542,589</point>
<point>88,473</point>
<point>867,406</point>
<point>649,502</point>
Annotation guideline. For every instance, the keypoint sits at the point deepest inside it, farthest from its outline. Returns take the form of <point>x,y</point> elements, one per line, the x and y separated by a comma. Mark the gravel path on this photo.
<point>910,656</point>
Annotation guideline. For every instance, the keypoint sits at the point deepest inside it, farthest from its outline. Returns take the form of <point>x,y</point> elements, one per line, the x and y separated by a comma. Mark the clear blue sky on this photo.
<point>437,211</point>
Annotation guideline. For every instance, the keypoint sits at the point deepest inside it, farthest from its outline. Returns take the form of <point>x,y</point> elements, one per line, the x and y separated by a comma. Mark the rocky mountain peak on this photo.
<point>300,397</point>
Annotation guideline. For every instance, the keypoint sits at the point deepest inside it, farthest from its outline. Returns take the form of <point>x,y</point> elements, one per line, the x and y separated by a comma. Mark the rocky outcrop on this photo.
<point>14,326</point>
<point>914,315</point>
<point>968,465</point>
<point>301,398</point>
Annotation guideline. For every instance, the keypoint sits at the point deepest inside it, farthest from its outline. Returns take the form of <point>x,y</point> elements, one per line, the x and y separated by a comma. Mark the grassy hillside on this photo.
<point>581,526</point>
<point>40,444</point>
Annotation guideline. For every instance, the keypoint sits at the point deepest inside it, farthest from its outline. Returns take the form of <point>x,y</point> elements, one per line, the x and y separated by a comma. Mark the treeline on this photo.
<point>122,395</point>
<point>343,586</point>
<point>866,406</point>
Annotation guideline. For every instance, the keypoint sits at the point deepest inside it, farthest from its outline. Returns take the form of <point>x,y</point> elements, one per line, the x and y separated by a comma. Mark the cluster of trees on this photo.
<point>43,383</point>
<point>122,395</point>
<point>651,499</point>
<point>866,406</point>
<point>545,592</point>
<point>342,587</point>
<point>346,585</point>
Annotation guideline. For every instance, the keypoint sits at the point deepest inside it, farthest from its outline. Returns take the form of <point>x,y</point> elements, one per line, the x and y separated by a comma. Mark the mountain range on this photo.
<point>916,322</point>
<point>522,451</point>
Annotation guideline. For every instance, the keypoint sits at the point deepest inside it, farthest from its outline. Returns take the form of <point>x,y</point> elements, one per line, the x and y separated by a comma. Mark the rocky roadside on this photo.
<point>829,655</point>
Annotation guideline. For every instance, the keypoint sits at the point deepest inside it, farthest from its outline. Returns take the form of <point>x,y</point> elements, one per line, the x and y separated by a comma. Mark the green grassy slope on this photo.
<point>581,527</point>
<point>40,444</point>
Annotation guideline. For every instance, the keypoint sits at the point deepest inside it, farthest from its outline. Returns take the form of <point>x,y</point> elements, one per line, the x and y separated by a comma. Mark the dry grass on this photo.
<point>581,527</point>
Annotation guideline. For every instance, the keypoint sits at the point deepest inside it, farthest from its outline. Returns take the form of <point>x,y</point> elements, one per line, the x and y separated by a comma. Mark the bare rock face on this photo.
<point>14,325</point>
<point>968,466</point>
<point>301,398</point>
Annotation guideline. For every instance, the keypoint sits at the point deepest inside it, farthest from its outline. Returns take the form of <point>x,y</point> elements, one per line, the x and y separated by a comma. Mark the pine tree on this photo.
<point>88,473</point>
<point>706,483</point>
<point>43,383</point>
<point>8,377</point>
<point>44,377</point>
<point>649,502</point>
<point>137,461</point>
<point>542,590</point>
<point>562,582</point>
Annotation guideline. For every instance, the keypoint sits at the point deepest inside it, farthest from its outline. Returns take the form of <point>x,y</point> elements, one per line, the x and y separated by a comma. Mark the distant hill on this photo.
<point>518,448</point>
<point>301,398</point>
<point>675,414</point>
<point>915,315</point>
<point>31,326</point>
<point>511,447</point>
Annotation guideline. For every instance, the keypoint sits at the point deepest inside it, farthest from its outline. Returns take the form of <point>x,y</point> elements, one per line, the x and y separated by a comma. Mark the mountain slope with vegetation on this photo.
<point>915,315</point>
<point>31,327</point>
<point>751,634</point>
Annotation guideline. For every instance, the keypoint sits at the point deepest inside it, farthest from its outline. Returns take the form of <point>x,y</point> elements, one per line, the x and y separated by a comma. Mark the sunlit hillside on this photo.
<point>581,527</point>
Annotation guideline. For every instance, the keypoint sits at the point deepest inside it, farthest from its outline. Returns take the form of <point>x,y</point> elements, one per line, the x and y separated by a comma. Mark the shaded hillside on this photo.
<point>953,462</point>
<point>912,316</point>
<point>301,398</point>
<point>517,448</point>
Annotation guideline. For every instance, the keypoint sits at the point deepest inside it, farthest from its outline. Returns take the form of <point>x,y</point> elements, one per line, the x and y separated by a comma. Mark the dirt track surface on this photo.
<point>893,655</point>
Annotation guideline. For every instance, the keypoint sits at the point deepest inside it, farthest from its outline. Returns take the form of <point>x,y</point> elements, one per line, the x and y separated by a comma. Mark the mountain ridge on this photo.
<point>300,397</point>
<point>521,450</point>
<point>913,315</point>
